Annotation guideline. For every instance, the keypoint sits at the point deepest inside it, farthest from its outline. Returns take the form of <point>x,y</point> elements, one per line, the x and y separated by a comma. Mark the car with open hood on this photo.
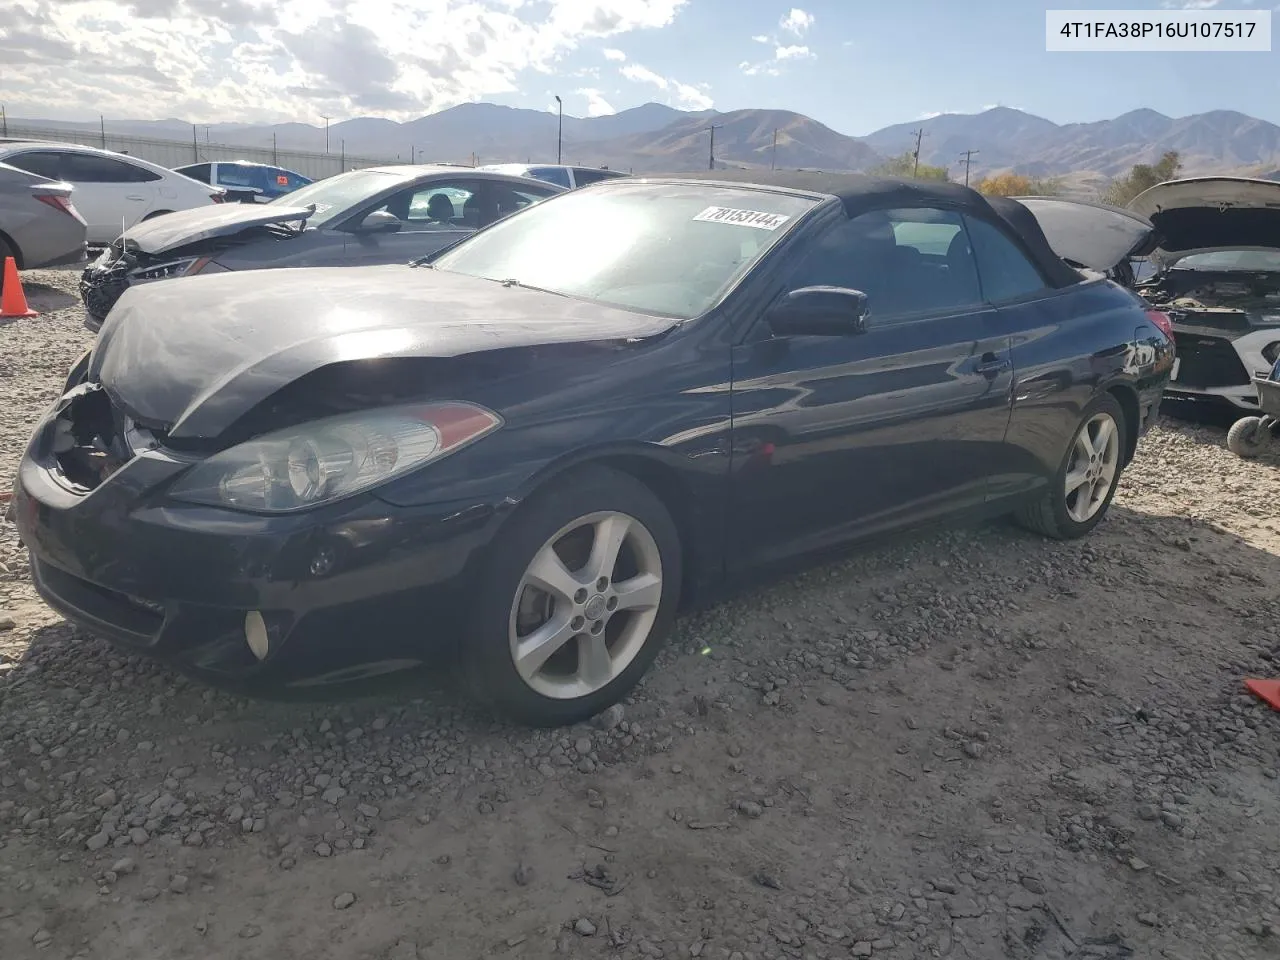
<point>528,450</point>
<point>368,216</point>
<point>1217,275</point>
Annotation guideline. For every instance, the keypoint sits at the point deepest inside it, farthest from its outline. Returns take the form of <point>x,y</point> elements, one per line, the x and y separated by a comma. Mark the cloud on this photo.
<point>792,53</point>
<point>797,22</point>
<point>597,105</point>
<point>683,95</point>
<point>1193,4</point>
<point>270,60</point>
<point>617,56</point>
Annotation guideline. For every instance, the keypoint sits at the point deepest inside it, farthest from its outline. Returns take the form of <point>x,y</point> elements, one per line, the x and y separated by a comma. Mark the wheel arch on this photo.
<point>1125,395</point>
<point>13,246</point>
<point>650,466</point>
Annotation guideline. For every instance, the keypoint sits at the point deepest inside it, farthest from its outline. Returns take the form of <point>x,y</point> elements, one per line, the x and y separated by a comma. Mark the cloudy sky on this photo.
<point>854,64</point>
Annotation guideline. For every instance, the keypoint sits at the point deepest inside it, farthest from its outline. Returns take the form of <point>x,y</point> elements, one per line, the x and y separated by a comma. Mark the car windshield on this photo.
<point>669,249</point>
<point>334,196</point>
<point>1246,261</point>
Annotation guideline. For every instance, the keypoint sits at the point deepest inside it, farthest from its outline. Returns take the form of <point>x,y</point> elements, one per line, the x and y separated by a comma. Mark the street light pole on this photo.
<point>559,129</point>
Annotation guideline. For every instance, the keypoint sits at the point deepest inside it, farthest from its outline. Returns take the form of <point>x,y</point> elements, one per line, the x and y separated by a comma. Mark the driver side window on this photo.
<point>908,262</point>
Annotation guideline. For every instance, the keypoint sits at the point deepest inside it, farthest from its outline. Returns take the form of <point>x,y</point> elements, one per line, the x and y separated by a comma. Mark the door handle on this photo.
<point>990,365</point>
<point>134,197</point>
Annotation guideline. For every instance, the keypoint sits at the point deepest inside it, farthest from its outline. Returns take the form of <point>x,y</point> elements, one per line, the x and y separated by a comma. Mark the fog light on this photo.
<point>255,634</point>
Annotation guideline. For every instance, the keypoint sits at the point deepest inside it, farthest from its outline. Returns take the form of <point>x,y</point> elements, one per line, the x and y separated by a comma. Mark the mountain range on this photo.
<point>655,137</point>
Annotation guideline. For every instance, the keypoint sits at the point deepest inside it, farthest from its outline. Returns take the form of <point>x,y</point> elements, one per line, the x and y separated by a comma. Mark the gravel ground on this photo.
<point>971,744</point>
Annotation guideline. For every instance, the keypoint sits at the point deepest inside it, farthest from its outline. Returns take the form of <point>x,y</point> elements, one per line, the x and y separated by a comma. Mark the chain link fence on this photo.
<point>176,153</point>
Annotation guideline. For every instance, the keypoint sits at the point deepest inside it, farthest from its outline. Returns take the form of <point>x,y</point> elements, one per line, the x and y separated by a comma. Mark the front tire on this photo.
<point>576,600</point>
<point>1085,482</point>
<point>1248,437</point>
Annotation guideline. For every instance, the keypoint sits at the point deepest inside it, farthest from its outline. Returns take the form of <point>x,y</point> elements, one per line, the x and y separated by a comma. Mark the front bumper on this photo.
<point>1216,367</point>
<point>349,591</point>
<point>102,284</point>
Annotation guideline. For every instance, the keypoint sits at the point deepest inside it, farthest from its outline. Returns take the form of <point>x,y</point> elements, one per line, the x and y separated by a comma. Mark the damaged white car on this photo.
<point>1217,276</point>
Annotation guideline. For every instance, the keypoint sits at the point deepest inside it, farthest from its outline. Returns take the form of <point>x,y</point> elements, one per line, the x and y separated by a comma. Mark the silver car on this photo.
<point>376,215</point>
<point>39,225</point>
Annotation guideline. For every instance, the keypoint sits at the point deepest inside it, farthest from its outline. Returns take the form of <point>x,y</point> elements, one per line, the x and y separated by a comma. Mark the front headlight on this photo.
<point>174,268</point>
<point>320,462</point>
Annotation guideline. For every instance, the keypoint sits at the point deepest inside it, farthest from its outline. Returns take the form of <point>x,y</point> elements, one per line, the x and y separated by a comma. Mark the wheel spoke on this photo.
<point>609,536</point>
<point>548,573</point>
<point>534,650</point>
<point>1102,442</point>
<point>1075,480</point>
<point>1084,445</point>
<point>641,592</point>
<point>595,665</point>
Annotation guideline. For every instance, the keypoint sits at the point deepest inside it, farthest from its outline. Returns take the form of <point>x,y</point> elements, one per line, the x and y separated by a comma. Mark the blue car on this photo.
<point>245,181</point>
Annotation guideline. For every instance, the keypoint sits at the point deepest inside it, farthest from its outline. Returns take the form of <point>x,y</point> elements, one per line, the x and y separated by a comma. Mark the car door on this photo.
<point>1043,331</point>
<point>112,195</point>
<point>837,437</point>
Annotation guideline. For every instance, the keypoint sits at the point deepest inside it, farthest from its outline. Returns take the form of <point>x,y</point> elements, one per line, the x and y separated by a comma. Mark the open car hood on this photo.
<point>184,227</point>
<point>1091,235</point>
<point>1211,213</point>
<point>195,356</point>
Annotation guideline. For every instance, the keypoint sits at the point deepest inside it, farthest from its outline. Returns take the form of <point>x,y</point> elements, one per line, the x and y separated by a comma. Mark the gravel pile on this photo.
<point>970,744</point>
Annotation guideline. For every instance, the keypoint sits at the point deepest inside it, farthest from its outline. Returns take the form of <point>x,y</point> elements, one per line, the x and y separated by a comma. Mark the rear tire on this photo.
<point>1248,437</point>
<point>572,606</point>
<point>1085,482</point>
<point>5,251</point>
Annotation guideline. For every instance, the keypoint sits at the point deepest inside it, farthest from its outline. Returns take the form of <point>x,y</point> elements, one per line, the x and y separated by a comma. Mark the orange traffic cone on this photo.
<point>13,302</point>
<point>1268,691</point>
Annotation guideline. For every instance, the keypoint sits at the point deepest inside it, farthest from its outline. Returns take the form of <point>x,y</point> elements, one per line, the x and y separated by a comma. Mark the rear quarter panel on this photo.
<point>1068,349</point>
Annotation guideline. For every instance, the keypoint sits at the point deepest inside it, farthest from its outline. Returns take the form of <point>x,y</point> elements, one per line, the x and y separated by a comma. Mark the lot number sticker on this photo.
<point>743,218</point>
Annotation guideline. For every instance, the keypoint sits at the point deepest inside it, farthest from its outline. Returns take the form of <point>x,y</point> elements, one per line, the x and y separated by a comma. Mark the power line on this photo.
<point>968,156</point>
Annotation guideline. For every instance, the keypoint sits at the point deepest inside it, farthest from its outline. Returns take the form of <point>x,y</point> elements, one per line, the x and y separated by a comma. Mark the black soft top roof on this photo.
<point>860,193</point>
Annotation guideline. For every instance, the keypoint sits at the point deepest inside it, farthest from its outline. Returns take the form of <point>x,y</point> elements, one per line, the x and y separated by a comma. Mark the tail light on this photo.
<point>57,202</point>
<point>1162,321</point>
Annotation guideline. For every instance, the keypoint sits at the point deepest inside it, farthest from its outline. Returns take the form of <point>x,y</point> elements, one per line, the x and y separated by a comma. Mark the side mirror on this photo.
<point>380,221</point>
<point>819,312</point>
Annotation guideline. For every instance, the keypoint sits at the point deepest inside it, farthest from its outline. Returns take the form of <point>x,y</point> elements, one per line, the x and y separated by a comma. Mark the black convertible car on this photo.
<point>532,447</point>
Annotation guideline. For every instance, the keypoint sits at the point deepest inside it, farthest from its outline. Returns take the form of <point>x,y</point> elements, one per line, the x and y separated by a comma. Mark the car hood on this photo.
<point>194,355</point>
<point>1211,213</point>
<point>183,227</point>
<point>1093,235</point>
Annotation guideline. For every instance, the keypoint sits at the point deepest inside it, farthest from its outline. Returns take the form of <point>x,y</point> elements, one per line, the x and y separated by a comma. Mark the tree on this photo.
<point>1142,177</point>
<point>1016,185</point>
<point>904,165</point>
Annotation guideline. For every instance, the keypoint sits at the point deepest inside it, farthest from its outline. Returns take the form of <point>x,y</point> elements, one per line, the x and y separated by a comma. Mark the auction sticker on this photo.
<point>743,218</point>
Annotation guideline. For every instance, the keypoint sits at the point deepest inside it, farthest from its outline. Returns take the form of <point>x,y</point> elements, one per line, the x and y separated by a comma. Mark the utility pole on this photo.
<point>275,157</point>
<point>968,156</point>
<point>773,157</point>
<point>711,150</point>
<point>326,131</point>
<point>195,145</point>
<point>102,126</point>
<point>559,128</point>
<point>4,122</point>
<point>342,163</point>
<point>915,157</point>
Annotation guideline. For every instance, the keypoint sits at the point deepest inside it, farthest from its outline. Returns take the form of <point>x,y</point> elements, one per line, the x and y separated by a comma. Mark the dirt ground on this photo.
<point>973,744</point>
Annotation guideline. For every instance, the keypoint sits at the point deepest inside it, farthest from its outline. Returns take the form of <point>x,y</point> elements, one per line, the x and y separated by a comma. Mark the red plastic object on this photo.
<point>1267,691</point>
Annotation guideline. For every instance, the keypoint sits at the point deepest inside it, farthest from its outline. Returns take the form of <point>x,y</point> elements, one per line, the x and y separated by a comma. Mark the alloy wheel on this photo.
<point>1095,458</point>
<point>586,605</point>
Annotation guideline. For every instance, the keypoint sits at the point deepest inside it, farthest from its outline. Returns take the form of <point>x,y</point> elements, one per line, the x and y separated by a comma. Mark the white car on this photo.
<point>1217,276</point>
<point>113,191</point>
<point>562,175</point>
